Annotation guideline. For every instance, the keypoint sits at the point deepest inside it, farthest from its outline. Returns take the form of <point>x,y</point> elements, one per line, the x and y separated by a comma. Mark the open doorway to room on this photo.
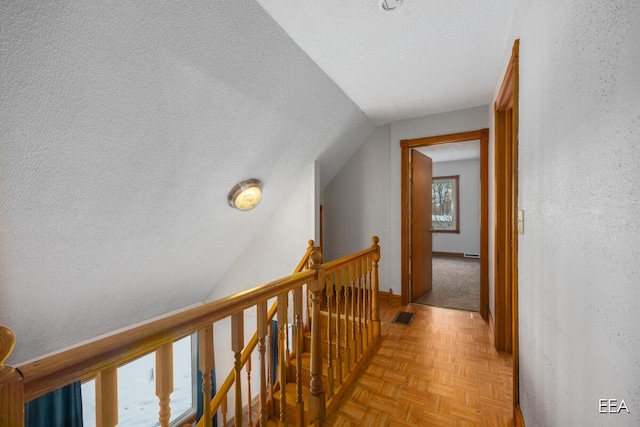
<point>419,242</point>
<point>455,226</point>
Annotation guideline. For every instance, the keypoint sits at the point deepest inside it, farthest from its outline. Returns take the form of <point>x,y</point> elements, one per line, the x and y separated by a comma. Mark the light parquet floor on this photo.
<point>442,370</point>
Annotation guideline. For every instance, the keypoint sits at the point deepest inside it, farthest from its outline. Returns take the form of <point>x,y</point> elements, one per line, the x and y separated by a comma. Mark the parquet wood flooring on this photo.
<point>442,370</point>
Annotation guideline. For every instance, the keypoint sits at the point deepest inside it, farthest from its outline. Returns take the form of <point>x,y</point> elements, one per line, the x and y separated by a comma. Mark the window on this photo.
<point>137,401</point>
<point>445,206</point>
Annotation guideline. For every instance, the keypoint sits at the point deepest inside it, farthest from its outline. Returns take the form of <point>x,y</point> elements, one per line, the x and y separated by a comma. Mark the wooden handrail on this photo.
<point>225,388</point>
<point>337,264</point>
<point>101,356</point>
<point>51,372</point>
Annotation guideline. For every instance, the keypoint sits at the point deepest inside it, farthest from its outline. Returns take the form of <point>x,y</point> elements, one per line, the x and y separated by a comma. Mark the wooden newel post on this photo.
<point>375,303</point>
<point>11,385</point>
<point>317,409</point>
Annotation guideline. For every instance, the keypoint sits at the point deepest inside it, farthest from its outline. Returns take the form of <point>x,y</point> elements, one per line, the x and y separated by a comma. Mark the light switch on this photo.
<point>520,221</point>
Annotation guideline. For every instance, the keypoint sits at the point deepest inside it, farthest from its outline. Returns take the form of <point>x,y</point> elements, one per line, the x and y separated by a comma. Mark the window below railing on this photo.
<point>137,400</point>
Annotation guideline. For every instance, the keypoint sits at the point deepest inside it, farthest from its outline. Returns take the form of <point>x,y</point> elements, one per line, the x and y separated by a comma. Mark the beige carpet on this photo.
<point>456,284</point>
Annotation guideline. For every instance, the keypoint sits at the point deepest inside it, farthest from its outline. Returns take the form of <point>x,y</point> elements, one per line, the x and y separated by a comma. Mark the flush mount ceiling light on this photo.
<point>389,5</point>
<point>245,195</point>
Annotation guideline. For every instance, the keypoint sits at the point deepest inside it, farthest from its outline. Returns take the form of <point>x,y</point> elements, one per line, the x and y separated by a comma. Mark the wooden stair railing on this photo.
<point>259,338</point>
<point>333,342</point>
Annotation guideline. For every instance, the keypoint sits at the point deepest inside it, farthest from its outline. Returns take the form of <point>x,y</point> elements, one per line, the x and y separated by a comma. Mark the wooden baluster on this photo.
<point>11,384</point>
<point>308,324</point>
<point>286,341</point>
<point>237,344</point>
<point>270,373</point>
<point>367,295</point>
<point>329,292</point>
<point>363,300</point>
<point>375,304</point>
<point>317,408</point>
<point>360,276</point>
<point>164,381</point>
<point>107,397</point>
<point>283,299</point>
<point>347,330</point>
<point>299,343</point>
<point>249,399</point>
<point>338,287</point>
<point>354,297</point>
<point>224,409</point>
<point>262,333</point>
<point>205,354</point>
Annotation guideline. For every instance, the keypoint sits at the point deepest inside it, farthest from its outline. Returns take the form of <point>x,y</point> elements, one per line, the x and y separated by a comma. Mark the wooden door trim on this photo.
<point>506,109</point>
<point>405,146</point>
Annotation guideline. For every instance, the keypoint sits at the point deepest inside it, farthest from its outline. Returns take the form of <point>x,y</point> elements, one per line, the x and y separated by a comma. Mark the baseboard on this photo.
<point>390,297</point>
<point>519,417</point>
<point>448,254</point>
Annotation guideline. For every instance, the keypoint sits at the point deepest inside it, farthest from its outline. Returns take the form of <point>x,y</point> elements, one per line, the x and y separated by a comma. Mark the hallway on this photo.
<point>442,370</point>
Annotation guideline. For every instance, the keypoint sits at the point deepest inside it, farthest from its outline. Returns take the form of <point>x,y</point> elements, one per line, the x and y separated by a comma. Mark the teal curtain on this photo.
<point>60,408</point>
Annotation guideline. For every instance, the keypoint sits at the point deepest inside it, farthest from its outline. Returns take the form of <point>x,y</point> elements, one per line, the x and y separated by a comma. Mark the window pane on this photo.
<point>89,403</point>
<point>183,384</point>
<point>444,198</point>
<point>137,400</point>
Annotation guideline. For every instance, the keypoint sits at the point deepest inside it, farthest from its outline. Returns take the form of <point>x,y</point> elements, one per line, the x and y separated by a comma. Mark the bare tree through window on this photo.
<point>444,204</point>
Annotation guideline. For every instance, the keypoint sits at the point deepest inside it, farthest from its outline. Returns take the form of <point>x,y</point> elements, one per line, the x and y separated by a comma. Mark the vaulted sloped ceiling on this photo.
<point>124,126</point>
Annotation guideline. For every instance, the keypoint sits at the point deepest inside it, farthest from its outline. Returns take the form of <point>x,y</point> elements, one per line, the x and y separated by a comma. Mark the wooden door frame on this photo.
<point>506,170</point>
<point>408,144</point>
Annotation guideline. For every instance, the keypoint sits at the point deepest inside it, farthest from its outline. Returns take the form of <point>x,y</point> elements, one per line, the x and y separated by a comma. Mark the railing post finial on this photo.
<point>11,385</point>
<point>315,259</point>
<point>7,344</point>
<point>375,240</point>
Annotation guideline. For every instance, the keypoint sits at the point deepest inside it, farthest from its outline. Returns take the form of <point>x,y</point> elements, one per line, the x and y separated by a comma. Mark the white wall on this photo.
<point>468,240</point>
<point>124,126</point>
<point>364,198</point>
<point>356,204</point>
<point>273,253</point>
<point>579,165</point>
<point>278,246</point>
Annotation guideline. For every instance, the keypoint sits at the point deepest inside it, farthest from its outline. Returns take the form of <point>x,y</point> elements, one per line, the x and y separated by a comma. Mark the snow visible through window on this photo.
<point>137,401</point>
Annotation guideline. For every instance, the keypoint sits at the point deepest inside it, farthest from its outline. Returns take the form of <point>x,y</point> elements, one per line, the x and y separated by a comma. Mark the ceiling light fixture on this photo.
<point>389,5</point>
<point>245,195</point>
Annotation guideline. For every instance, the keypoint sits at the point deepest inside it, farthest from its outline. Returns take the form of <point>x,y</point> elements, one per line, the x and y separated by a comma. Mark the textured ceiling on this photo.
<point>426,57</point>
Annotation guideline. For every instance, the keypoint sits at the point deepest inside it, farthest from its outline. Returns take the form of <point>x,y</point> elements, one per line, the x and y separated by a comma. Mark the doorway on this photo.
<point>507,221</point>
<point>408,218</point>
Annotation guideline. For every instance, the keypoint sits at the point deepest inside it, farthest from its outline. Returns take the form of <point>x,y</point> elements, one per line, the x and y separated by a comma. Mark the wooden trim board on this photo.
<point>405,146</point>
<point>519,419</point>
<point>392,298</point>
<point>492,324</point>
